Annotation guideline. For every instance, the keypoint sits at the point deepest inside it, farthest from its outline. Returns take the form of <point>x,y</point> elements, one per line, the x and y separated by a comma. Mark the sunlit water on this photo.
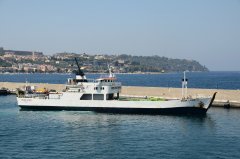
<point>75,134</point>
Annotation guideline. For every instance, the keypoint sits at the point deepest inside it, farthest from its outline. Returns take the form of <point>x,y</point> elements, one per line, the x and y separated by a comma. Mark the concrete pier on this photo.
<point>224,97</point>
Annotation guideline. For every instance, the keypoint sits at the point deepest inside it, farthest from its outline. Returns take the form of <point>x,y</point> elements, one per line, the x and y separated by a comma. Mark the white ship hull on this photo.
<point>70,101</point>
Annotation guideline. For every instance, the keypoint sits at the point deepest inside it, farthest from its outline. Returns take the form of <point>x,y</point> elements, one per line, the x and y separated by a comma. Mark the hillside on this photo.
<point>64,62</point>
<point>159,64</point>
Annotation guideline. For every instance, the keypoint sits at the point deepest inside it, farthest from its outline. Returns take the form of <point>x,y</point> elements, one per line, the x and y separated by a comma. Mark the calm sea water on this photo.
<point>69,134</point>
<point>212,80</point>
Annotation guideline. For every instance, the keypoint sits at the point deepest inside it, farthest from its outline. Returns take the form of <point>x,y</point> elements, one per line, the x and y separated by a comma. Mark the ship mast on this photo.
<point>184,85</point>
<point>110,72</point>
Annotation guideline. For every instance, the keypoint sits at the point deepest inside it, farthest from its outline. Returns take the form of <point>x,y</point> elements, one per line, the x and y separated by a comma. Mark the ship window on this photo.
<point>110,96</point>
<point>86,97</point>
<point>98,97</point>
<point>96,88</point>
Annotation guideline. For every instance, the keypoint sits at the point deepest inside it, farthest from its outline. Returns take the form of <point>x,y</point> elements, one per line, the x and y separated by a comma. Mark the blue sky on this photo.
<point>204,30</point>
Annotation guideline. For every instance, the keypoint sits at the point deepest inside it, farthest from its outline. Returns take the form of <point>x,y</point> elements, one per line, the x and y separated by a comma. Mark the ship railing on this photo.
<point>92,80</point>
<point>40,96</point>
<point>88,80</point>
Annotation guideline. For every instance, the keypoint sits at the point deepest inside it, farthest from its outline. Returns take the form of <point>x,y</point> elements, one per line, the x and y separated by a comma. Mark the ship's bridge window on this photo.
<point>96,88</point>
<point>101,88</point>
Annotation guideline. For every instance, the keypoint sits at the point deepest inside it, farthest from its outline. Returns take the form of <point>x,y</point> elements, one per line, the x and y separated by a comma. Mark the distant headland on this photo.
<point>16,61</point>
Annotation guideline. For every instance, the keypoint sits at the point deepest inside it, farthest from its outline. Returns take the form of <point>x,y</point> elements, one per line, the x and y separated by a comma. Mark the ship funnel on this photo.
<point>80,76</point>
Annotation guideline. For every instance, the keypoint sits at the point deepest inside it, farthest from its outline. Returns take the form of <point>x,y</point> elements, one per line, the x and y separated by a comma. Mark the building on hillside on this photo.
<point>42,68</point>
<point>25,54</point>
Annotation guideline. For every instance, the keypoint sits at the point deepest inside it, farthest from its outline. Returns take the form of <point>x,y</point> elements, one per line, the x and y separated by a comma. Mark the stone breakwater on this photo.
<point>224,97</point>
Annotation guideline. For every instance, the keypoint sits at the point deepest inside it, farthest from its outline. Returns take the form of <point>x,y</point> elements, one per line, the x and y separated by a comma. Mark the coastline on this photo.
<point>13,73</point>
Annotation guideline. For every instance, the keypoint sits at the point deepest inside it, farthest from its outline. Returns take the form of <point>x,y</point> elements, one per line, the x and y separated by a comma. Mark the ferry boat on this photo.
<point>103,95</point>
